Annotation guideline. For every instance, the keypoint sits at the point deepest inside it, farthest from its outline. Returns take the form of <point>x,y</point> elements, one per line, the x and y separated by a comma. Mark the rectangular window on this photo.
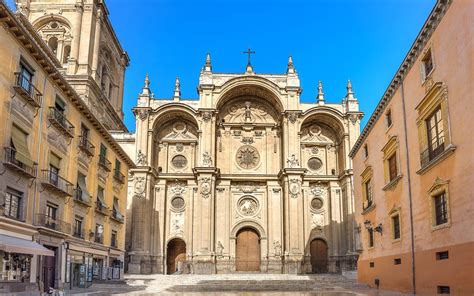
<point>441,209</point>
<point>51,214</point>
<point>372,264</point>
<point>25,78</point>
<point>20,153</point>
<point>81,189</point>
<point>371,237</point>
<point>442,255</point>
<point>397,261</point>
<point>78,226</point>
<point>366,151</point>
<point>54,166</point>
<point>118,166</point>
<point>59,105</point>
<point>388,118</point>
<point>392,167</point>
<point>444,290</point>
<point>396,226</point>
<point>435,133</point>
<point>113,239</point>
<point>427,63</point>
<point>13,199</point>
<point>99,231</point>
<point>368,192</point>
<point>103,151</point>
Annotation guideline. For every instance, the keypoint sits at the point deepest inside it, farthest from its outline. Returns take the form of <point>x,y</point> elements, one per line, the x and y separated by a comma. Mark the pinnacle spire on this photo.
<point>208,65</point>
<point>291,68</point>
<point>177,90</point>
<point>146,86</point>
<point>350,93</point>
<point>320,98</point>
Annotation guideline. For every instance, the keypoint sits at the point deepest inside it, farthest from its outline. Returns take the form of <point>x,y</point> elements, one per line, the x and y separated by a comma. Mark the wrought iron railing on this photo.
<point>86,146</point>
<point>58,119</point>
<point>54,224</point>
<point>80,197</point>
<point>429,154</point>
<point>119,176</point>
<point>53,181</point>
<point>101,207</point>
<point>11,161</point>
<point>28,91</point>
<point>78,234</point>
<point>105,163</point>
<point>99,238</point>
<point>116,215</point>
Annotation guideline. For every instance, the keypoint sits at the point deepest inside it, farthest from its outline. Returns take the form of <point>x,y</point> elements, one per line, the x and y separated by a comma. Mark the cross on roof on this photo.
<point>248,52</point>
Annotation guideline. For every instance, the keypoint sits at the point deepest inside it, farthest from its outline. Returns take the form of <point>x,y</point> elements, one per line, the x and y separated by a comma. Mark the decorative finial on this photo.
<point>249,68</point>
<point>291,67</point>
<point>177,90</point>
<point>350,93</point>
<point>208,65</point>
<point>146,86</point>
<point>320,98</point>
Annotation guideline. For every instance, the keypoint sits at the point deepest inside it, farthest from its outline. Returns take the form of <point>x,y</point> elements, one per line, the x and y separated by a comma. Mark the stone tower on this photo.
<point>79,32</point>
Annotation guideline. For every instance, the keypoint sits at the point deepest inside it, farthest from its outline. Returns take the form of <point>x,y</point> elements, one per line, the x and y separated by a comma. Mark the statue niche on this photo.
<point>175,149</point>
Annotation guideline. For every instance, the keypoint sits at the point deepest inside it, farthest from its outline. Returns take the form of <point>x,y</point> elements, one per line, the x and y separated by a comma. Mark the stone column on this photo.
<point>95,56</point>
<point>76,38</point>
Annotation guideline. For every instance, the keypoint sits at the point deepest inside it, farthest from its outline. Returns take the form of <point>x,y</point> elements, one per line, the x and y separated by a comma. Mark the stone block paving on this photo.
<point>234,284</point>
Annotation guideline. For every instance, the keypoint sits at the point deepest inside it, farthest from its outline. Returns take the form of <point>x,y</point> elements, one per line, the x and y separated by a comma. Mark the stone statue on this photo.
<point>141,158</point>
<point>293,161</point>
<point>219,248</point>
<point>248,113</point>
<point>277,248</point>
<point>206,159</point>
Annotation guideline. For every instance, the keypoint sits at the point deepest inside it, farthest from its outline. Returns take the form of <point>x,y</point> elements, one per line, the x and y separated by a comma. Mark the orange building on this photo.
<point>413,165</point>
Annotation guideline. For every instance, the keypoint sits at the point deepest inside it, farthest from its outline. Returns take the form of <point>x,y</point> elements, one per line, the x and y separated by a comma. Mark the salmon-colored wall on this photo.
<point>453,53</point>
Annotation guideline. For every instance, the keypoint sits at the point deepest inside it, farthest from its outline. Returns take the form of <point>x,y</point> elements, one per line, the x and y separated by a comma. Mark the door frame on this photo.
<point>311,255</point>
<point>259,245</point>
<point>167,251</point>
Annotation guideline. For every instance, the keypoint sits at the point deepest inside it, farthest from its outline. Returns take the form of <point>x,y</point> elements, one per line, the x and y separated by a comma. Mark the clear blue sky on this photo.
<point>330,40</point>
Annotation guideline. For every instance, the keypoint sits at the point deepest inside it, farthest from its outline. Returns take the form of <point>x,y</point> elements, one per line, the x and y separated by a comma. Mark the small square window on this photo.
<point>372,264</point>
<point>442,255</point>
<point>444,290</point>
<point>428,65</point>
<point>397,261</point>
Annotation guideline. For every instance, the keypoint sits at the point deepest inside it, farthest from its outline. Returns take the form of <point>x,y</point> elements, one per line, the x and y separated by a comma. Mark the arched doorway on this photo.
<point>176,256</point>
<point>319,256</point>
<point>247,252</point>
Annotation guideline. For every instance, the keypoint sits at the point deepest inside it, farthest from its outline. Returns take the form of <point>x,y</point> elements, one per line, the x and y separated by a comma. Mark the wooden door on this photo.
<point>49,270</point>
<point>176,255</point>
<point>247,250</point>
<point>319,256</point>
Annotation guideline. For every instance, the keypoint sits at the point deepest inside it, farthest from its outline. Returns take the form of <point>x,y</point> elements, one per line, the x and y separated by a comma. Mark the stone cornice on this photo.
<point>23,31</point>
<point>424,35</point>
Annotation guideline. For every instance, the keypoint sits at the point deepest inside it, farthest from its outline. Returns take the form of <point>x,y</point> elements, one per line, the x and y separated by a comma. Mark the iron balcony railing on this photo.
<point>430,153</point>
<point>78,234</point>
<point>99,239</point>
<point>27,90</point>
<point>114,244</point>
<point>119,176</point>
<point>105,163</point>
<point>56,183</point>
<point>86,146</point>
<point>101,208</point>
<point>11,161</point>
<point>58,119</point>
<point>80,197</point>
<point>117,216</point>
<point>54,224</point>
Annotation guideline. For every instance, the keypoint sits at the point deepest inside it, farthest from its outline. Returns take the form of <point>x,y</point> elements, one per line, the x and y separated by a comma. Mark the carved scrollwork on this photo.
<point>139,187</point>
<point>295,187</point>
<point>205,186</point>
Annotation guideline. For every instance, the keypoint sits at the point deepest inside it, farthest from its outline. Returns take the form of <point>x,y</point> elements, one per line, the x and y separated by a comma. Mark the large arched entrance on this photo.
<point>176,256</point>
<point>319,256</point>
<point>247,255</point>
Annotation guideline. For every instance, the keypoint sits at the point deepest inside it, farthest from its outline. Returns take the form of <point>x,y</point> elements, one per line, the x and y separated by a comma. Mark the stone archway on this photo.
<point>176,256</point>
<point>319,256</point>
<point>247,254</point>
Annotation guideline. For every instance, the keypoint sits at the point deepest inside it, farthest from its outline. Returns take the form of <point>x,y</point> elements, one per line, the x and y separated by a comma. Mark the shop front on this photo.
<point>18,258</point>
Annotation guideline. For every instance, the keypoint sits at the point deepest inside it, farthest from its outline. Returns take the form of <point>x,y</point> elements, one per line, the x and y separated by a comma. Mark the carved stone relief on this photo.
<point>317,220</point>
<point>177,224</point>
<point>277,248</point>
<point>206,159</point>
<point>57,140</point>
<point>141,158</point>
<point>205,186</point>
<point>293,162</point>
<point>247,206</point>
<point>247,157</point>
<point>295,187</point>
<point>139,187</point>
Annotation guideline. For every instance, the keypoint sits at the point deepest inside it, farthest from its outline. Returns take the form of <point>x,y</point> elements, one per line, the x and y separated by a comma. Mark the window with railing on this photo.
<point>369,198</point>
<point>51,215</point>
<point>25,87</point>
<point>396,226</point>
<point>17,155</point>
<point>435,133</point>
<point>118,176</point>
<point>53,181</point>
<point>84,142</point>
<point>81,194</point>
<point>103,161</point>
<point>58,119</point>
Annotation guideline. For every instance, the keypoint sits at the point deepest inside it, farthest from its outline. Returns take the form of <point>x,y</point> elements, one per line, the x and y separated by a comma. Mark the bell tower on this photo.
<point>80,34</point>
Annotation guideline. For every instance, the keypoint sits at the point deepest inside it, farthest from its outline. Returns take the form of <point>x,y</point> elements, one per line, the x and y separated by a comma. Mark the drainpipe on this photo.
<point>412,235</point>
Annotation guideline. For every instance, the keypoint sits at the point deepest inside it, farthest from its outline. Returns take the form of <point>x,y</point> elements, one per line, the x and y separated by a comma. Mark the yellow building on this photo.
<point>413,165</point>
<point>63,184</point>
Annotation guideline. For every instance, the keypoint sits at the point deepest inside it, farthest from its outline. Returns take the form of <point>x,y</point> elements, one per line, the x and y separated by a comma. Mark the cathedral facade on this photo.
<point>246,178</point>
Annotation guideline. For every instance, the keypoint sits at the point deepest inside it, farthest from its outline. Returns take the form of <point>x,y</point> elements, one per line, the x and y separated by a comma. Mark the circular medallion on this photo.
<point>179,127</point>
<point>315,130</point>
<point>179,161</point>
<point>315,163</point>
<point>314,150</point>
<point>177,203</point>
<point>316,203</point>
<point>247,157</point>
<point>247,206</point>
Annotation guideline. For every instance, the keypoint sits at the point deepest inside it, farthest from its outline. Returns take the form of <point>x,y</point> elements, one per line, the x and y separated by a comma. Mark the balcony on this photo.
<point>429,154</point>
<point>101,208</point>
<point>27,90</point>
<point>105,163</point>
<point>80,198</point>
<point>58,119</point>
<point>119,177</point>
<point>20,167</point>
<point>54,224</point>
<point>114,244</point>
<point>86,146</point>
<point>117,216</point>
<point>99,239</point>
<point>78,234</point>
<point>57,184</point>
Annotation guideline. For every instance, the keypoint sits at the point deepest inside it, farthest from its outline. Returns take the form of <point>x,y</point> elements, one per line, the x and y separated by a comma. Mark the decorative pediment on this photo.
<point>438,184</point>
<point>315,134</point>
<point>248,110</point>
<point>179,131</point>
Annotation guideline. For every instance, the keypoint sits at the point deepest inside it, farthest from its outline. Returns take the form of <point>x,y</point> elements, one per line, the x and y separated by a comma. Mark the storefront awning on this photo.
<point>12,244</point>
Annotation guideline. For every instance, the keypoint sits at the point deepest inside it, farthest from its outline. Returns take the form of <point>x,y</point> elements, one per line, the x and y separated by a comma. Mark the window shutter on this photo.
<point>81,182</point>
<point>21,146</point>
<point>55,161</point>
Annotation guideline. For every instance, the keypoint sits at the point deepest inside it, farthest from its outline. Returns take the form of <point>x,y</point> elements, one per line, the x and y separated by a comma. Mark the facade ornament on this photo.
<point>177,224</point>
<point>247,113</point>
<point>317,220</point>
<point>248,206</point>
<point>177,90</point>
<point>248,187</point>
<point>277,248</point>
<point>179,147</point>
<point>220,189</point>
<point>219,249</point>
<point>292,116</point>
<point>291,68</point>
<point>205,186</point>
<point>206,115</point>
<point>178,188</point>
<point>206,159</point>
<point>354,118</point>
<point>247,140</point>
<point>143,114</point>
<point>320,98</point>
<point>208,65</point>
<point>295,187</point>
<point>276,190</point>
<point>318,191</point>
<point>139,187</point>
<point>141,158</point>
<point>293,161</point>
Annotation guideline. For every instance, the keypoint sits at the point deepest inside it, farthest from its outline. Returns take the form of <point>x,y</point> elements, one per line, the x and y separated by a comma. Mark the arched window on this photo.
<point>53,44</point>
<point>66,53</point>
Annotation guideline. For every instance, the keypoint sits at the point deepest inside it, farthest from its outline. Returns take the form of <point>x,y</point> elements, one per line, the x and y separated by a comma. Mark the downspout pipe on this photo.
<point>412,235</point>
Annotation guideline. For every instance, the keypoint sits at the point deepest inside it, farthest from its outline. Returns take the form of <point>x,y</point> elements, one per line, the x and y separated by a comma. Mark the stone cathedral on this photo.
<point>247,178</point>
